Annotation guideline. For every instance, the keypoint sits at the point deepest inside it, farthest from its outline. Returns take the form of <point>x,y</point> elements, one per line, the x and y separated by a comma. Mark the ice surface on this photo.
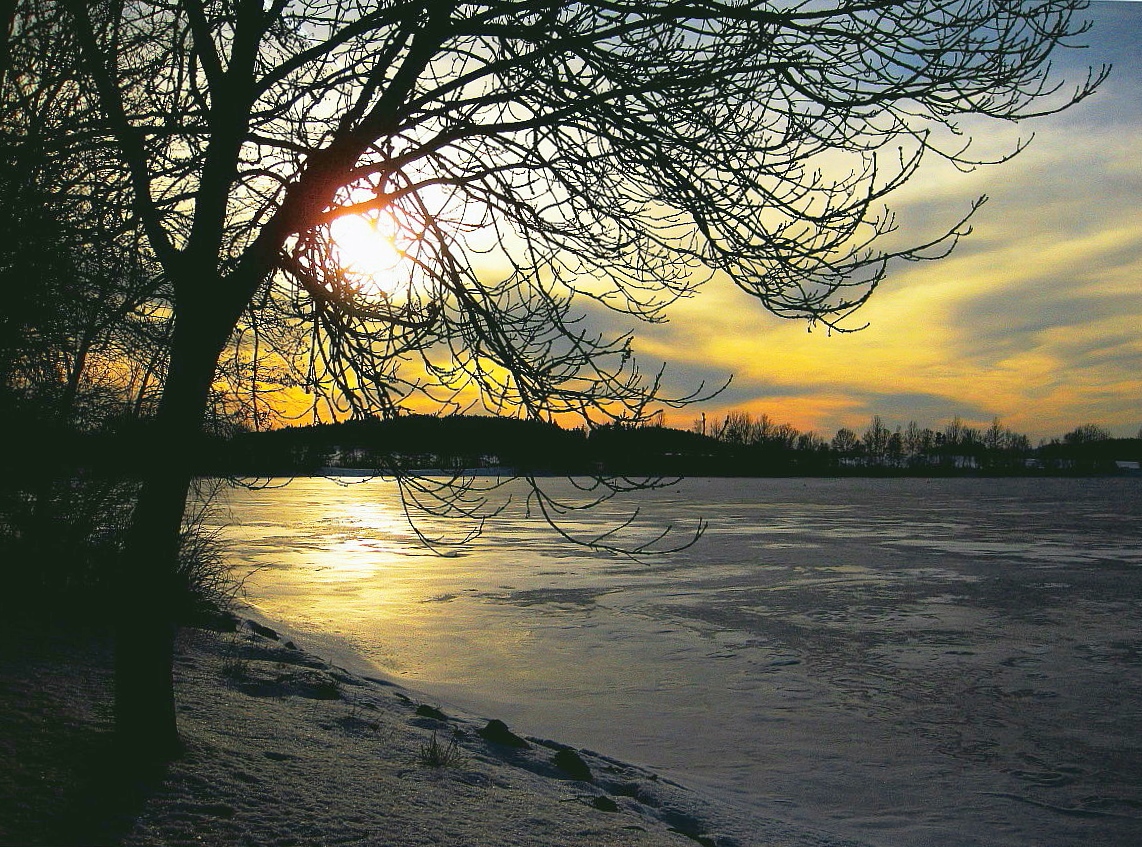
<point>902,662</point>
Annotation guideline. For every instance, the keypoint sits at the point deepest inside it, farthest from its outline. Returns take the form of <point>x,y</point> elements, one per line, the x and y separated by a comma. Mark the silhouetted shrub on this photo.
<point>206,586</point>
<point>61,537</point>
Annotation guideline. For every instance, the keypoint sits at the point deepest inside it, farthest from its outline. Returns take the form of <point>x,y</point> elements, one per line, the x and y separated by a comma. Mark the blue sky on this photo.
<point>1036,318</point>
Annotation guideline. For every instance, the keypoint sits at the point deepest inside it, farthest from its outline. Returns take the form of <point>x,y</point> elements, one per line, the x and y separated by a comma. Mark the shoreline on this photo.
<point>286,748</point>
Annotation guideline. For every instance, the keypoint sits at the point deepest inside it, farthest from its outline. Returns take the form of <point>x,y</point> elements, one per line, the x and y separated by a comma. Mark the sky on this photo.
<point>1036,318</point>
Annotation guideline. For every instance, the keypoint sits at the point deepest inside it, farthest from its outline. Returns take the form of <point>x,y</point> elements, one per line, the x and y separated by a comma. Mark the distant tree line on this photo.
<point>958,445</point>
<point>738,444</point>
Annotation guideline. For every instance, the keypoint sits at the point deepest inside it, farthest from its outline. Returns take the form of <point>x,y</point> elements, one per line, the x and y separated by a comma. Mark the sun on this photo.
<point>366,251</point>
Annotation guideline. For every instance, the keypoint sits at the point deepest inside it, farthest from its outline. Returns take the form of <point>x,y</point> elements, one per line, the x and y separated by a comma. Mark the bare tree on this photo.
<point>895,448</point>
<point>785,436</point>
<point>845,441</point>
<point>811,442</point>
<point>82,299</point>
<point>521,156</point>
<point>57,335</point>
<point>1087,434</point>
<point>995,437</point>
<point>876,438</point>
<point>736,428</point>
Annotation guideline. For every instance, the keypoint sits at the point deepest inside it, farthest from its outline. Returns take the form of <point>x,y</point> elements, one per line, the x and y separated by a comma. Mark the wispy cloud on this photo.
<point>1036,318</point>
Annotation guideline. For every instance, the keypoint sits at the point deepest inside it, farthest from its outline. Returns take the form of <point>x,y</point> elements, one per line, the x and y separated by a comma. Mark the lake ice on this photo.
<point>900,662</point>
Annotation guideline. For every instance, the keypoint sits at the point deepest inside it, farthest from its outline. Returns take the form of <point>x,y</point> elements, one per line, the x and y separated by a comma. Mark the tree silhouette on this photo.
<point>1087,434</point>
<point>845,441</point>
<point>876,438</point>
<point>523,157</point>
<point>73,321</point>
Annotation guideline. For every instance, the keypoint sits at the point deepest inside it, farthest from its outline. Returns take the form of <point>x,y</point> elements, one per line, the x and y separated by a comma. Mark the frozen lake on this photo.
<point>900,662</point>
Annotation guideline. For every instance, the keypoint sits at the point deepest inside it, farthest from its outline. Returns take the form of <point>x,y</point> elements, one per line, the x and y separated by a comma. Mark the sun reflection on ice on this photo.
<point>365,539</point>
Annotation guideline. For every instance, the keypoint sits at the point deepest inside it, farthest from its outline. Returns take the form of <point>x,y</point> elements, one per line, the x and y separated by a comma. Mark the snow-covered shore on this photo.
<point>285,748</point>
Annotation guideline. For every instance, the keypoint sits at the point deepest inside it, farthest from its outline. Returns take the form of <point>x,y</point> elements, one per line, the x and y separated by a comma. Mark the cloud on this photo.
<point>1035,318</point>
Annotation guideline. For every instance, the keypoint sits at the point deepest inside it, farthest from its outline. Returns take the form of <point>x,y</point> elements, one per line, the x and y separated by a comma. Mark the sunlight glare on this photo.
<point>367,251</point>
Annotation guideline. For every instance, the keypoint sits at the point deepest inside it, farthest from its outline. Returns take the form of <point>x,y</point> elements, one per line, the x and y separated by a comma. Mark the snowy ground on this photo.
<point>284,748</point>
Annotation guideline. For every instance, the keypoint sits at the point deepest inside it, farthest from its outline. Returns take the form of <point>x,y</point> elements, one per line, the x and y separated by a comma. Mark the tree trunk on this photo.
<point>145,623</point>
<point>147,593</point>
